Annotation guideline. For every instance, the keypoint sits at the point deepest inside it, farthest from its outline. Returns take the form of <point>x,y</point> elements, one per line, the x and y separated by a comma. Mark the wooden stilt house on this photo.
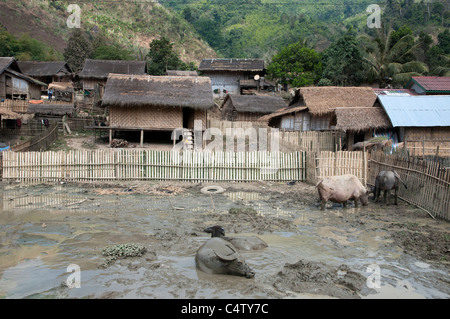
<point>156,103</point>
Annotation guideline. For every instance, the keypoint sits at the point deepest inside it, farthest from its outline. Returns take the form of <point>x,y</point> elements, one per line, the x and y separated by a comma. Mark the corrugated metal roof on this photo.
<point>429,111</point>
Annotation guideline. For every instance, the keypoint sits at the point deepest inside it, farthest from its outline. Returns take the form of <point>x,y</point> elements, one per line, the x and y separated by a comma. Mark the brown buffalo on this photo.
<point>341,188</point>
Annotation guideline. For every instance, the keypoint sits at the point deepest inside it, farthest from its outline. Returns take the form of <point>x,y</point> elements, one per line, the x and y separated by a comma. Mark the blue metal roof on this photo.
<point>428,110</point>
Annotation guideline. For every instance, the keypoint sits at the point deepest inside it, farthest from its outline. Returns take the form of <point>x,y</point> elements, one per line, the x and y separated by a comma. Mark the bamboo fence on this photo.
<point>18,106</point>
<point>123,164</point>
<point>312,140</point>
<point>427,181</point>
<point>325,164</point>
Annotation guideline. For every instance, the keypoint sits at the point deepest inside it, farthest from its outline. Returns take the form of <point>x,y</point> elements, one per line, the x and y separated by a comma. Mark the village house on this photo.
<point>181,73</point>
<point>249,107</point>
<point>15,85</point>
<point>423,122</point>
<point>350,110</point>
<point>156,103</point>
<point>47,71</point>
<point>430,85</point>
<point>312,108</point>
<point>231,76</point>
<point>94,74</point>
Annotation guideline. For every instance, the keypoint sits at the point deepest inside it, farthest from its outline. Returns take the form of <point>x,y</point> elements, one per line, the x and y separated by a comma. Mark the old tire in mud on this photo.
<point>212,190</point>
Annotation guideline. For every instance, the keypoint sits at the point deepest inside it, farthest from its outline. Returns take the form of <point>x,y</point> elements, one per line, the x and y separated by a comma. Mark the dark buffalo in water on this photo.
<point>218,256</point>
<point>341,188</point>
<point>240,242</point>
<point>387,181</point>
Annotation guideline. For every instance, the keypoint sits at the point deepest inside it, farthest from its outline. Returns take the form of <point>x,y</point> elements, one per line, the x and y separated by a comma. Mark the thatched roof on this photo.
<point>6,62</point>
<point>255,103</point>
<point>231,65</point>
<point>361,118</point>
<point>44,68</point>
<point>321,100</point>
<point>10,65</point>
<point>99,69</point>
<point>280,112</point>
<point>8,114</point>
<point>145,90</point>
<point>51,109</point>
<point>61,86</point>
<point>181,73</point>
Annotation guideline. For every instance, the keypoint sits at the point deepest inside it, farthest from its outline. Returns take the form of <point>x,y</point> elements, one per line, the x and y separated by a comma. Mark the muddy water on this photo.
<point>47,227</point>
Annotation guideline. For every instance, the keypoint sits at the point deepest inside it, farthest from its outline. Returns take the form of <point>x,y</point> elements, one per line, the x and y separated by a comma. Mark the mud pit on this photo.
<point>370,252</point>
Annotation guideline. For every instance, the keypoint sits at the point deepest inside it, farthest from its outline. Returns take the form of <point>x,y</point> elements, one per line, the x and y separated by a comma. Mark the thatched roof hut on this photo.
<point>146,90</point>
<point>51,109</point>
<point>100,69</point>
<point>360,119</point>
<point>181,73</point>
<point>22,86</point>
<point>280,112</point>
<point>145,102</point>
<point>322,100</point>
<point>254,65</point>
<point>227,74</point>
<point>8,62</point>
<point>249,107</point>
<point>42,70</point>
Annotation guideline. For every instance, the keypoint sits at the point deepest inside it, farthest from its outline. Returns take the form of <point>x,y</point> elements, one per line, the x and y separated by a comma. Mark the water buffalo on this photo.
<point>241,242</point>
<point>387,181</point>
<point>341,188</point>
<point>218,256</point>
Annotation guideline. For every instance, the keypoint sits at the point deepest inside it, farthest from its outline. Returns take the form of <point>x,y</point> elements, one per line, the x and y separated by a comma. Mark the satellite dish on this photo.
<point>256,77</point>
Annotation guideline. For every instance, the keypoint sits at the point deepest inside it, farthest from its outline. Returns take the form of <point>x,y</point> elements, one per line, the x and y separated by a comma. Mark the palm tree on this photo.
<point>385,61</point>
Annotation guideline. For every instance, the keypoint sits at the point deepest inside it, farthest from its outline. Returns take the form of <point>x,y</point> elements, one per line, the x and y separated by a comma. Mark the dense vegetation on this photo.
<point>259,28</point>
<point>25,48</point>
<point>322,42</point>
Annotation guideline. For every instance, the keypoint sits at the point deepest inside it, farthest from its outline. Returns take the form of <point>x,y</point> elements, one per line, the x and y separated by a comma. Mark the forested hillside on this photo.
<point>259,28</point>
<point>322,42</point>
<point>122,25</point>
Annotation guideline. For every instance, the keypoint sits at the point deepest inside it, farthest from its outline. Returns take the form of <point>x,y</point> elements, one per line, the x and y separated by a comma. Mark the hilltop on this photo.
<point>132,25</point>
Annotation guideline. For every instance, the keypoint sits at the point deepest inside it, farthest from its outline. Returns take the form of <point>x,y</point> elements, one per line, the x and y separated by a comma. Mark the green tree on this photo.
<point>423,46</point>
<point>161,57</point>
<point>79,48</point>
<point>343,62</point>
<point>106,49</point>
<point>386,59</point>
<point>8,44</point>
<point>444,41</point>
<point>296,65</point>
<point>25,48</point>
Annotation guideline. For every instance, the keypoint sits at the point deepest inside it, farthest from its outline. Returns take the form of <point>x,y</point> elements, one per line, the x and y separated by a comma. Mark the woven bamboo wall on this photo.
<point>424,141</point>
<point>146,117</point>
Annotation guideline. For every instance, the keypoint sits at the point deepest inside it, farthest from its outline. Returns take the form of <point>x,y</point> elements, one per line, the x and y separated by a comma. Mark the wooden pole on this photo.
<point>142,138</point>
